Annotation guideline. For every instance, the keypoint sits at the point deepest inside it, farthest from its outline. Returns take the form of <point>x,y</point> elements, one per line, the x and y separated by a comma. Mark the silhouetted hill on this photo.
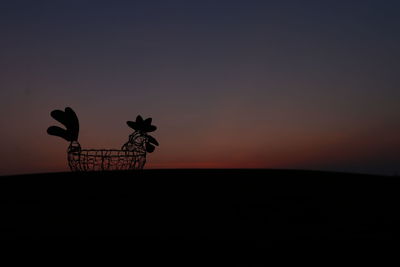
<point>265,205</point>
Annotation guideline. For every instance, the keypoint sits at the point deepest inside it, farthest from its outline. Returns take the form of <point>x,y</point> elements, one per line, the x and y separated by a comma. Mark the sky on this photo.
<point>230,84</point>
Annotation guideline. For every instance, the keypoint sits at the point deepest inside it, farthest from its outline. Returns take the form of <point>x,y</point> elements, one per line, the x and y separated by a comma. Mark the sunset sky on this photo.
<point>230,84</point>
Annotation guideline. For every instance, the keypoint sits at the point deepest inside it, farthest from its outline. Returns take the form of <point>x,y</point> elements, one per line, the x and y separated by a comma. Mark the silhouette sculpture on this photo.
<point>132,155</point>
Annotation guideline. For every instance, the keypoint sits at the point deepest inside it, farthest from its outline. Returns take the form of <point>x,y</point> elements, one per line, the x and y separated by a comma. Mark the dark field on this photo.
<point>271,206</point>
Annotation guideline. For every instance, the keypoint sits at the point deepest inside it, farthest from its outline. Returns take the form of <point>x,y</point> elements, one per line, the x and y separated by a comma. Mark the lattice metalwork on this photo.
<point>105,159</point>
<point>132,155</point>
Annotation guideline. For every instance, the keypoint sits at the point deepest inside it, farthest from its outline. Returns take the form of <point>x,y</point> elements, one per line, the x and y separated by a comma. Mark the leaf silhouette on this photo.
<point>57,131</point>
<point>72,123</point>
<point>59,116</point>
<point>69,119</point>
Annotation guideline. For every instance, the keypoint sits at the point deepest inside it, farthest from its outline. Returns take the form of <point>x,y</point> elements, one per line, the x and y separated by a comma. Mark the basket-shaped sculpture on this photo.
<point>131,156</point>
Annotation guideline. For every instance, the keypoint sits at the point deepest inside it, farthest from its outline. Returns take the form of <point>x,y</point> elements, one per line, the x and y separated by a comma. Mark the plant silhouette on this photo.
<point>131,156</point>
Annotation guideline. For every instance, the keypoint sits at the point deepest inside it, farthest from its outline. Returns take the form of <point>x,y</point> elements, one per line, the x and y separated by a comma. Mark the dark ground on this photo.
<point>271,206</point>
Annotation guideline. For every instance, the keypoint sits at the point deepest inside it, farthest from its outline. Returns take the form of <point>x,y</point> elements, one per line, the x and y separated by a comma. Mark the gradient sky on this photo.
<point>237,84</point>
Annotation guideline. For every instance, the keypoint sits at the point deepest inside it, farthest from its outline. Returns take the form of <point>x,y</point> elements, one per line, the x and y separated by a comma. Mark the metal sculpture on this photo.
<point>131,156</point>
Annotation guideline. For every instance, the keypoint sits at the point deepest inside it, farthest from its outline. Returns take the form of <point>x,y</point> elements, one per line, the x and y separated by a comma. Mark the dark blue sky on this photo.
<point>285,84</point>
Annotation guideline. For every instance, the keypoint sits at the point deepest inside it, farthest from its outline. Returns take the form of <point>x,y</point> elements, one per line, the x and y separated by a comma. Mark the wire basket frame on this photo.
<point>104,159</point>
<point>132,155</point>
